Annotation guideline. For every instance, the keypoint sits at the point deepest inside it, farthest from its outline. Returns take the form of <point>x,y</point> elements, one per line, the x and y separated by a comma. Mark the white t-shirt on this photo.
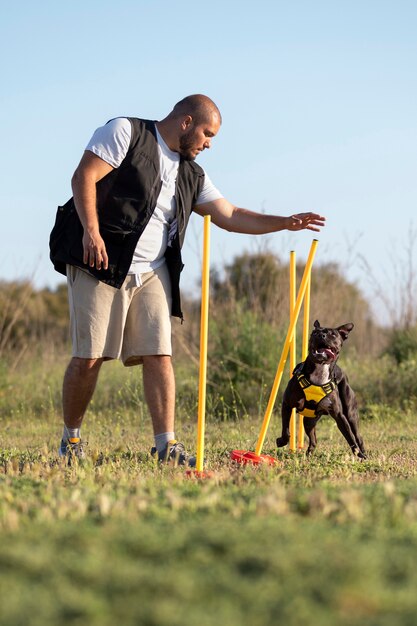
<point>111,143</point>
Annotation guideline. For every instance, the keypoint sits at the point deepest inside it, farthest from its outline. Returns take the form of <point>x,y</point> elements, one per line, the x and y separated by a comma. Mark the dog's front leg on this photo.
<point>350,409</point>
<point>344,427</point>
<point>310,430</point>
<point>286,418</point>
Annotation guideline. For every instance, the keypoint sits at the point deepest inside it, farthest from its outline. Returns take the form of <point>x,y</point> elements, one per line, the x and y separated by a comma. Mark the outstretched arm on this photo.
<point>237,220</point>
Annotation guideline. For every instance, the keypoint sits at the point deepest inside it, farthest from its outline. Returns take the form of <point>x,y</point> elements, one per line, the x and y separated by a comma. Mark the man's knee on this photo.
<point>157,358</point>
<point>84,367</point>
<point>159,362</point>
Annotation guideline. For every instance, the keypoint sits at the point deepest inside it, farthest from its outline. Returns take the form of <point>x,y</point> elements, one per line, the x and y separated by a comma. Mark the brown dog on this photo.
<point>319,387</point>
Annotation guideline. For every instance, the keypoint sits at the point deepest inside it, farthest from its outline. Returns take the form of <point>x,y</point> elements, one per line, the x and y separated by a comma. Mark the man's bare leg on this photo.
<point>159,387</point>
<point>79,383</point>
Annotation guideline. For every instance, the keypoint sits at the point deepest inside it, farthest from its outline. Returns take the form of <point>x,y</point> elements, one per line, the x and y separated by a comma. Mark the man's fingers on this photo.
<point>95,257</point>
<point>308,221</point>
<point>102,260</point>
<point>89,258</point>
<point>94,254</point>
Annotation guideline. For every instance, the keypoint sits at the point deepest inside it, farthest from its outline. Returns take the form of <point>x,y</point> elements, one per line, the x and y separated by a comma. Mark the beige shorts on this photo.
<point>126,323</point>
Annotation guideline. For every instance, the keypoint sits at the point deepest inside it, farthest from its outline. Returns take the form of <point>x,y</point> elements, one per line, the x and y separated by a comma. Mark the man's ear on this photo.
<point>186,122</point>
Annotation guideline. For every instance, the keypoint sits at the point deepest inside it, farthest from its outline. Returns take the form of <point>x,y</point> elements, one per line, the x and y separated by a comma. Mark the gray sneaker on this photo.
<point>72,448</point>
<point>173,454</point>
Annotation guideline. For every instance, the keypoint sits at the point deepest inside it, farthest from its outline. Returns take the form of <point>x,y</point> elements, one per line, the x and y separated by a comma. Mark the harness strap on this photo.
<point>313,393</point>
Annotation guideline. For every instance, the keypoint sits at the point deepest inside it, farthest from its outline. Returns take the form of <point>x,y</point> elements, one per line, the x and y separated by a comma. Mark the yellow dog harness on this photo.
<point>313,394</point>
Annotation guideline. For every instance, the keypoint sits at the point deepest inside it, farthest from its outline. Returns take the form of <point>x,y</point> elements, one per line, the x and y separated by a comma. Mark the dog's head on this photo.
<point>325,343</point>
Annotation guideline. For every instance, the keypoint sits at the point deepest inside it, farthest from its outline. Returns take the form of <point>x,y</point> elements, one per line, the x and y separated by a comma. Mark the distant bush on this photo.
<point>259,282</point>
<point>382,381</point>
<point>402,344</point>
<point>244,353</point>
<point>31,318</point>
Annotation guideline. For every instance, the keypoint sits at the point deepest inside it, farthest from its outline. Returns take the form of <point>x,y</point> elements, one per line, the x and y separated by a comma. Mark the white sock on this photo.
<point>71,433</point>
<point>162,439</point>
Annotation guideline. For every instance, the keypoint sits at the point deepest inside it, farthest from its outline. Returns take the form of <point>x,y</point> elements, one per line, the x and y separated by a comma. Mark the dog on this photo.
<point>319,387</point>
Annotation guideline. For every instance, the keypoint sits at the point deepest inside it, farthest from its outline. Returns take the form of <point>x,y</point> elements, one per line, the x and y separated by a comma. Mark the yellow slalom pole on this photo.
<point>203,346</point>
<point>304,352</point>
<point>285,349</point>
<point>293,347</point>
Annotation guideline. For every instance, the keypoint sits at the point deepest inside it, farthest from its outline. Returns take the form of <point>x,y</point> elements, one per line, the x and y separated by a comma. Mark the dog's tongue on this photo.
<point>329,354</point>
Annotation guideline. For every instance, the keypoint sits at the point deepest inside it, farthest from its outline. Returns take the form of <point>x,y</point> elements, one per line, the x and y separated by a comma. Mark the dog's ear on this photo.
<point>317,324</point>
<point>345,330</point>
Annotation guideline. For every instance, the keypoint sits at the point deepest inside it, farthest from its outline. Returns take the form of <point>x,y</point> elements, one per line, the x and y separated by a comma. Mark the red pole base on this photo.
<point>247,457</point>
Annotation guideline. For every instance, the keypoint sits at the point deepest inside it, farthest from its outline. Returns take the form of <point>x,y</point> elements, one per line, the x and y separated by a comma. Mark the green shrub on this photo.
<point>382,381</point>
<point>242,361</point>
<point>402,345</point>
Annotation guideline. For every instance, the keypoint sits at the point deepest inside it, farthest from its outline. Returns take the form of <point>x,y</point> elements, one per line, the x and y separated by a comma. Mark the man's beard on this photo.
<point>186,145</point>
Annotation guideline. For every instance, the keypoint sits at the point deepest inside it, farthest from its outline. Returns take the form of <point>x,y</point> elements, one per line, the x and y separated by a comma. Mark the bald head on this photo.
<point>190,126</point>
<point>200,108</point>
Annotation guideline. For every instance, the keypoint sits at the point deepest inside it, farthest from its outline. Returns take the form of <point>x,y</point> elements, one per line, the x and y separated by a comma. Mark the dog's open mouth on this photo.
<point>325,353</point>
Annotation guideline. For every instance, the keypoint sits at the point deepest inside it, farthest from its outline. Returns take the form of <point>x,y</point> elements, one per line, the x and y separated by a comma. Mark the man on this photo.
<point>119,242</point>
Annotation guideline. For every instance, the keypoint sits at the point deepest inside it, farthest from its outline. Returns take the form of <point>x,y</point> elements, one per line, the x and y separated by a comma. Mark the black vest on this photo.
<point>126,199</point>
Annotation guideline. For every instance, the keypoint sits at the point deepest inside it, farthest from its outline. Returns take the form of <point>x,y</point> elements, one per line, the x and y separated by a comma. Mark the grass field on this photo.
<point>325,541</point>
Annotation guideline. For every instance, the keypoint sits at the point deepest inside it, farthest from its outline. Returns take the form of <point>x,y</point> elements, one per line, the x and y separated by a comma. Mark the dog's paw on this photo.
<point>281,442</point>
<point>359,454</point>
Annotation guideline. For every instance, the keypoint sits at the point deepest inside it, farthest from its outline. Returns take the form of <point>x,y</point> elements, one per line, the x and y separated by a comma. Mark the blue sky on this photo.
<point>319,113</point>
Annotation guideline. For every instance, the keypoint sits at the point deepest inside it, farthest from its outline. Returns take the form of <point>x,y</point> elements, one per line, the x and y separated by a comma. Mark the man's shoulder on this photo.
<point>143,134</point>
<point>192,167</point>
<point>141,124</point>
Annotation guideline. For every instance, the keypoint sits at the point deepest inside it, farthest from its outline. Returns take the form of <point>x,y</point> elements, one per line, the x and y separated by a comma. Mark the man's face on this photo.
<point>198,137</point>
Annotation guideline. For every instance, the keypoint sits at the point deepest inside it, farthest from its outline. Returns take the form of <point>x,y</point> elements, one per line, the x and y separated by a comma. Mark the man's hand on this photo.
<point>307,221</point>
<point>95,254</point>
